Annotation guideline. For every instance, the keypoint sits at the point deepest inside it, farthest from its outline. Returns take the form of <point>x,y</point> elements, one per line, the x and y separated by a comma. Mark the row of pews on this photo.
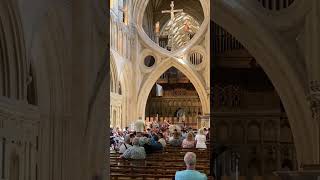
<point>157,166</point>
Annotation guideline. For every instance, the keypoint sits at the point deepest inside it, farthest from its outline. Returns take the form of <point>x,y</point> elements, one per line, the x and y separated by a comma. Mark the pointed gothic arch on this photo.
<point>271,53</point>
<point>194,78</point>
<point>13,62</point>
<point>113,75</point>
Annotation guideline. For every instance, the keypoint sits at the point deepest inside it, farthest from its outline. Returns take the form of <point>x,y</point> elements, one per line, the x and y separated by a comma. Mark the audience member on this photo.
<point>189,141</point>
<point>162,140</point>
<point>201,140</point>
<point>134,152</point>
<point>190,173</point>
<point>176,140</point>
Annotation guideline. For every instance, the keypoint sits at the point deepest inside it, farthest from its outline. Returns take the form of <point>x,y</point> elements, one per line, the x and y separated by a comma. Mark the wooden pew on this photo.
<point>158,165</point>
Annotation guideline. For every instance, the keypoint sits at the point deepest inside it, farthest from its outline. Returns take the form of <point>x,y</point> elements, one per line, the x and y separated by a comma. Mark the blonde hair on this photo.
<point>201,131</point>
<point>190,136</point>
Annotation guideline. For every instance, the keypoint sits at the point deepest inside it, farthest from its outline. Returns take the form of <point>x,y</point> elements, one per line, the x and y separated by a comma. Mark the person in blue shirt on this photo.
<point>190,173</point>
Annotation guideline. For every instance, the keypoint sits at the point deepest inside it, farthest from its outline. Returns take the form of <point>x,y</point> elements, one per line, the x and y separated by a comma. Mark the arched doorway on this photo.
<point>193,76</point>
<point>173,98</point>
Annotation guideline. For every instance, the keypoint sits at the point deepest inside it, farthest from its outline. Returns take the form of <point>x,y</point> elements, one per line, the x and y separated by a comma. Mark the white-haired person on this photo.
<point>201,140</point>
<point>134,152</point>
<point>190,173</point>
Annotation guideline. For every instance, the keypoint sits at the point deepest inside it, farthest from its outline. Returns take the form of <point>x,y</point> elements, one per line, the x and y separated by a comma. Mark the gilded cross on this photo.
<point>172,10</point>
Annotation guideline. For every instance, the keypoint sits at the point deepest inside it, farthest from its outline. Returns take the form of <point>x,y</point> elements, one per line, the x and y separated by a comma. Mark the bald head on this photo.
<point>190,159</point>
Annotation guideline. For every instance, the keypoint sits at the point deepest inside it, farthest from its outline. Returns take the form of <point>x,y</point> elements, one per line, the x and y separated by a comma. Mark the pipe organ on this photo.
<point>195,58</point>
<point>224,41</point>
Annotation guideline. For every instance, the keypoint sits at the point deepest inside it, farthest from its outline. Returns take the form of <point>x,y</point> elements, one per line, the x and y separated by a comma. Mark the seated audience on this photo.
<point>176,140</point>
<point>156,145</point>
<point>134,152</point>
<point>152,145</point>
<point>165,134</point>
<point>125,145</point>
<point>189,141</point>
<point>162,140</point>
<point>190,173</point>
<point>132,135</point>
<point>184,133</point>
<point>201,140</point>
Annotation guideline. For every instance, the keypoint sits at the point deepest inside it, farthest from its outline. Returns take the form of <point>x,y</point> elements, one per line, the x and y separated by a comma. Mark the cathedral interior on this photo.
<point>70,71</point>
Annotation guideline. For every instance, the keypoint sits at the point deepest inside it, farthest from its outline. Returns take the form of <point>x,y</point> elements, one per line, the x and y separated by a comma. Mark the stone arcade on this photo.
<point>54,79</point>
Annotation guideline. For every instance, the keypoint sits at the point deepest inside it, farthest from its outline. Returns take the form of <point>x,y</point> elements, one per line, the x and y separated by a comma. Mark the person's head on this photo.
<point>190,136</point>
<point>135,141</point>
<point>139,134</point>
<point>190,159</point>
<point>127,139</point>
<point>176,135</point>
<point>201,132</point>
